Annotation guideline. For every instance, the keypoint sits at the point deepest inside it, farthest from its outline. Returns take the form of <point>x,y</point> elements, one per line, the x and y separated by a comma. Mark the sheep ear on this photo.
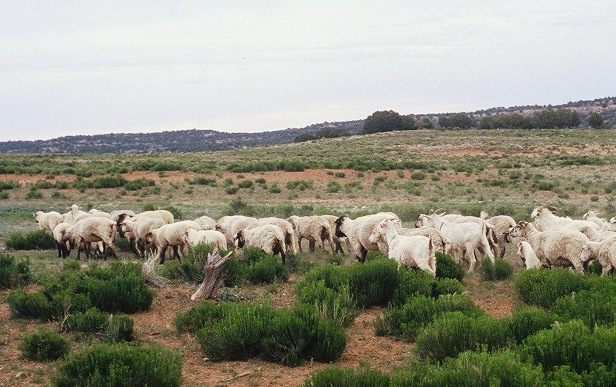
<point>553,209</point>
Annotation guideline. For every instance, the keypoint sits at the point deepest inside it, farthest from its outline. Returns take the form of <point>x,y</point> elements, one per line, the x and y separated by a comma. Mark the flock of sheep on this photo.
<point>548,241</point>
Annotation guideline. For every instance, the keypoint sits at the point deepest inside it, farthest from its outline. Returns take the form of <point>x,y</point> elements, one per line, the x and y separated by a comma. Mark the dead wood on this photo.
<point>215,275</point>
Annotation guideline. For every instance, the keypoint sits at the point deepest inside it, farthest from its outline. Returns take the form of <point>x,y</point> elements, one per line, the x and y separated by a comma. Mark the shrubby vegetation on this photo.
<point>13,274</point>
<point>34,240</point>
<point>44,345</point>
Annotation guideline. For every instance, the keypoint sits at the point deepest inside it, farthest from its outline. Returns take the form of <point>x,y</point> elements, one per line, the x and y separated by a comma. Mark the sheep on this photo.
<point>497,244</point>
<point>465,238</point>
<point>528,256</point>
<point>553,248</point>
<point>612,224</point>
<point>170,235</point>
<point>229,225</point>
<point>73,213</point>
<point>413,251</point>
<point>48,220</point>
<point>165,215</point>
<point>545,220</point>
<point>213,237</point>
<point>62,242</point>
<point>337,240</point>
<point>287,229</point>
<point>358,231</point>
<point>206,222</point>
<point>440,242</point>
<point>316,229</point>
<point>92,230</point>
<point>604,252</point>
<point>268,238</point>
<point>137,229</point>
<point>501,225</point>
<point>593,216</point>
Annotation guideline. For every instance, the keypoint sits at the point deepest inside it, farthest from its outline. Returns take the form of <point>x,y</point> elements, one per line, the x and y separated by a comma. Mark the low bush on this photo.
<point>34,240</point>
<point>266,270</point>
<point>373,283</point>
<point>406,321</point>
<point>113,328</point>
<point>456,332</point>
<point>286,336</point>
<point>13,274</point>
<point>29,305</point>
<point>44,345</point>
<point>544,287</point>
<point>526,321</point>
<point>347,377</point>
<point>121,365</point>
<point>593,307</point>
<point>446,267</point>
<point>497,271</point>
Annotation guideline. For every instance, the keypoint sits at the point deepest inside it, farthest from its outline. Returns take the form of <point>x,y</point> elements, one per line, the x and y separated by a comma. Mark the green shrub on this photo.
<point>455,332</point>
<point>373,283</point>
<point>120,288</point>
<point>336,376</point>
<point>190,268</point>
<point>245,184</point>
<point>544,287</point>
<point>593,307</point>
<point>288,336</point>
<point>121,365</point>
<point>44,345</point>
<point>499,270</point>
<point>419,311</point>
<point>266,270</point>
<point>35,240</point>
<point>481,369</point>
<point>29,305</point>
<point>526,321</point>
<point>109,327</point>
<point>333,187</point>
<point>13,274</point>
<point>109,182</point>
<point>573,344</point>
<point>446,267</point>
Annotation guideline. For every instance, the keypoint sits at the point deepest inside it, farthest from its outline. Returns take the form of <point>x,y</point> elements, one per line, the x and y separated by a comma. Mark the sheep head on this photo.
<point>240,239</point>
<point>339,222</point>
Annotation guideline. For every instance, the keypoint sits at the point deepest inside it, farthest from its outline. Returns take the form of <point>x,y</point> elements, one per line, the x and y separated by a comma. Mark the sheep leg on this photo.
<point>311,245</point>
<point>176,253</point>
<point>470,255</point>
<point>362,258</point>
<point>338,248</point>
<point>161,253</point>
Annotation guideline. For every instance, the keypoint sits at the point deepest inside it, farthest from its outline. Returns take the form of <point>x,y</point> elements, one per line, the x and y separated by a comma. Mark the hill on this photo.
<point>210,140</point>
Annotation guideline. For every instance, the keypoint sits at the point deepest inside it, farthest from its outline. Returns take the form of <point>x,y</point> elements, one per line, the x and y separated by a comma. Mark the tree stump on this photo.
<point>148,271</point>
<point>215,275</point>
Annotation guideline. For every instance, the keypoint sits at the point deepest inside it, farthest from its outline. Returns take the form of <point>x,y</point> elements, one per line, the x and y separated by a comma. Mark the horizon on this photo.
<point>77,68</point>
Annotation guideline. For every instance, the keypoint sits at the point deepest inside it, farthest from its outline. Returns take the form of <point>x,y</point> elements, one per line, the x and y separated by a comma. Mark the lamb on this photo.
<point>465,237</point>
<point>206,222</point>
<point>73,212</point>
<point>496,243</point>
<point>604,252</point>
<point>413,251</point>
<point>136,231</point>
<point>357,231</point>
<point>593,216</point>
<point>48,220</point>
<point>440,242</point>
<point>268,238</point>
<point>337,240</point>
<point>229,225</point>
<point>545,220</point>
<point>316,229</point>
<point>92,230</point>
<point>287,229</point>
<point>553,248</point>
<point>62,241</point>
<point>528,256</point>
<point>501,225</point>
<point>212,237</point>
<point>170,235</point>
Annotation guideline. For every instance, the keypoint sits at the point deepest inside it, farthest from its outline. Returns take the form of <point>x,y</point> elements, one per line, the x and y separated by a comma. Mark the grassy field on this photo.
<point>501,171</point>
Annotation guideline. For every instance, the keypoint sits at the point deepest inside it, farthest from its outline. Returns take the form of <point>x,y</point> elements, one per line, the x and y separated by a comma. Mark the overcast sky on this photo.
<point>92,67</point>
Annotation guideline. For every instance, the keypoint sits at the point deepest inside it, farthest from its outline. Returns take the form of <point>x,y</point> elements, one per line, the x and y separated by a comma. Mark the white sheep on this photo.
<point>206,222</point>
<point>545,220</point>
<point>528,256</point>
<point>357,231</point>
<point>48,220</point>
<point>553,248</point>
<point>501,225</point>
<point>465,237</point>
<point>62,241</point>
<point>316,229</point>
<point>173,235</point>
<point>212,237</point>
<point>136,231</point>
<point>90,231</point>
<point>440,242</point>
<point>268,238</point>
<point>413,251</point>
<point>338,241</point>
<point>287,229</point>
<point>604,252</point>
<point>593,216</point>
<point>229,225</point>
